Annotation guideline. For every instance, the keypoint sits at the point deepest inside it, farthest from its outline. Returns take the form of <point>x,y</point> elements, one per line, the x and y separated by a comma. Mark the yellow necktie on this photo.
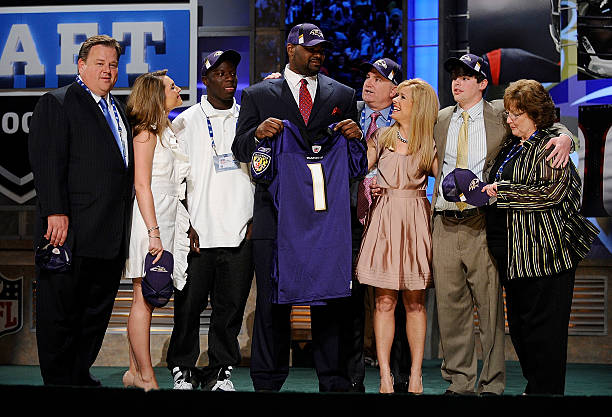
<point>462,150</point>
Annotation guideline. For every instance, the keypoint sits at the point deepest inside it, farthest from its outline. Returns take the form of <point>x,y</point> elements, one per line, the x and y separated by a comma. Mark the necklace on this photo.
<point>401,138</point>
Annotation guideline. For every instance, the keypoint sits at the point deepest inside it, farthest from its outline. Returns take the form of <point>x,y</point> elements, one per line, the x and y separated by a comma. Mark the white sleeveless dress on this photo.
<point>170,169</point>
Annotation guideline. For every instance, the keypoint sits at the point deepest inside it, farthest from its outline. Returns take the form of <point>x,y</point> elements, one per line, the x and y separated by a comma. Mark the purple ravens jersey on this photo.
<point>309,183</point>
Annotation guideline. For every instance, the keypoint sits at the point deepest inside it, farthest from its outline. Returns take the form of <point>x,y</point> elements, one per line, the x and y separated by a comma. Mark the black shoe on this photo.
<point>400,387</point>
<point>357,387</point>
<point>90,381</point>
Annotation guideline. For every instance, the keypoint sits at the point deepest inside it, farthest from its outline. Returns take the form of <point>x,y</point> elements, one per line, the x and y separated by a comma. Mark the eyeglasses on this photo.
<point>512,116</point>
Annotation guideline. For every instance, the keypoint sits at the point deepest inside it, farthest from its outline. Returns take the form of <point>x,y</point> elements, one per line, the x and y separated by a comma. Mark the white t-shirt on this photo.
<point>220,204</point>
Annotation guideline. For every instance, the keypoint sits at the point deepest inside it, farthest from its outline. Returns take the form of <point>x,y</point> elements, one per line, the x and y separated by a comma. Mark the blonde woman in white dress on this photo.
<point>159,220</point>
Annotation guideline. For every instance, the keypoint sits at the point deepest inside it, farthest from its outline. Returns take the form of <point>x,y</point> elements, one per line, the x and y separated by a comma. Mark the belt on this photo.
<point>393,192</point>
<point>456,214</point>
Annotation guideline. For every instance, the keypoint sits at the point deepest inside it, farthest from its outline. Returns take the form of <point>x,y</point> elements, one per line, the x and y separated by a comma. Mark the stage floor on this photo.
<point>582,379</point>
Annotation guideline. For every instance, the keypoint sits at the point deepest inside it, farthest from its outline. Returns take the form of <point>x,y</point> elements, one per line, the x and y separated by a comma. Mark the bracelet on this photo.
<point>153,228</point>
<point>154,237</point>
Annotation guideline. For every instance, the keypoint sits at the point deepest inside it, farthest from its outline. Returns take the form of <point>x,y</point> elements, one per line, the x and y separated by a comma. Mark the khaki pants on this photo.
<point>466,276</point>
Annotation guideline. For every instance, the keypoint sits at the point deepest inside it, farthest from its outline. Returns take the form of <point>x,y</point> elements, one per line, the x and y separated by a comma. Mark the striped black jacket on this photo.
<point>546,232</point>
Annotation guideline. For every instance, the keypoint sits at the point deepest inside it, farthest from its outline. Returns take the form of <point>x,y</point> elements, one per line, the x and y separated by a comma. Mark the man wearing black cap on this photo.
<point>469,135</point>
<point>379,87</point>
<point>220,203</point>
<point>310,101</point>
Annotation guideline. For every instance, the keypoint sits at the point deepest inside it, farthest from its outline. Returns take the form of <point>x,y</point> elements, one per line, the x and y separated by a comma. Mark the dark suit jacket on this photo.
<point>273,98</point>
<point>79,171</point>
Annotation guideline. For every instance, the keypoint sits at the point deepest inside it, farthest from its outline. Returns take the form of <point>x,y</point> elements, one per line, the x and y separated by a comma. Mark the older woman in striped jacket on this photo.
<point>537,236</point>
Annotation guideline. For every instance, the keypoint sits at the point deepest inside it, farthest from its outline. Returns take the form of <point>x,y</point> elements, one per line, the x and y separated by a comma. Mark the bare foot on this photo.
<point>128,379</point>
<point>386,384</point>
<point>415,386</point>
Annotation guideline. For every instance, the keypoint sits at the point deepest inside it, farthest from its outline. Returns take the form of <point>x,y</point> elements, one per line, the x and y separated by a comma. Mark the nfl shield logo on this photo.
<point>316,148</point>
<point>11,305</point>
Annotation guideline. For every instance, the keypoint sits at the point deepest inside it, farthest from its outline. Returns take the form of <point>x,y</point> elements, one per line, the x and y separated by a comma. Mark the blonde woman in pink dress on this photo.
<point>395,255</point>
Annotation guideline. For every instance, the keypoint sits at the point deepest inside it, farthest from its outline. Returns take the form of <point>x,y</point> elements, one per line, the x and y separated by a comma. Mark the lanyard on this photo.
<point>363,118</point>
<point>514,151</point>
<point>210,130</point>
<point>82,84</point>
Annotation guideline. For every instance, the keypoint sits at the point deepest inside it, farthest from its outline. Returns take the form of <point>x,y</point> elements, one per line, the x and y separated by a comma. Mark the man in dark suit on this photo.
<point>379,88</point>
<point>310,101</point>
<point>80,147</point>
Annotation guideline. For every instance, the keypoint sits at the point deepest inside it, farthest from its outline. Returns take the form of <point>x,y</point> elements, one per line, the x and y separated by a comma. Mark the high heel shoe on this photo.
<point>417,392</point>
<point>128,379</point>
<point>392,382</point>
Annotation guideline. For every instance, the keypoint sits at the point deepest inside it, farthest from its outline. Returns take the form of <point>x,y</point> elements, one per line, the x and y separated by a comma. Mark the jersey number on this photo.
<point>318,187</point>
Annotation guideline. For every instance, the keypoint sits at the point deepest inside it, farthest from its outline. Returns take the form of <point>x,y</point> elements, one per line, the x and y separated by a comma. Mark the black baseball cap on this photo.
<point>471,62</point>
<point>157,285</point>
<point>463,185</point>
<point>214,59</point>
<point>388,68</point>
<point>306,34</point>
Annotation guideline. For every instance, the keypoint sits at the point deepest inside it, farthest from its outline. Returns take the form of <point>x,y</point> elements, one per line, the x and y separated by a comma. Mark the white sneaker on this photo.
<point>223,380</point>
<point>182,379</point>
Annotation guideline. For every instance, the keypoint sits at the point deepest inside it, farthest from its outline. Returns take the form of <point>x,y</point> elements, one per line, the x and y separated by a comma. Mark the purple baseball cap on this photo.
<point>53,258</point>
<point>306,34</point>
<point>214,59</point>
<point>157,285</point>
<point>472,62</point>
<point>388,68</point>
<point>463,185</point>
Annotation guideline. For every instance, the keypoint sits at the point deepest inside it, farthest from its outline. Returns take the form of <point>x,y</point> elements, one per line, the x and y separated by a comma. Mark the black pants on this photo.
<point>538,318</point>
<point>224,274</point>
<point>272,333</point>
<point>72,313</point>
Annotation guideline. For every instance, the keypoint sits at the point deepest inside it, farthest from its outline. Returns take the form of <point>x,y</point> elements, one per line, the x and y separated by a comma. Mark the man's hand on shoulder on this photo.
<point>560,153</point>
<point>273,76</point>
<point>269,128</point>
<point>57,229</point>
<point>349,129</point>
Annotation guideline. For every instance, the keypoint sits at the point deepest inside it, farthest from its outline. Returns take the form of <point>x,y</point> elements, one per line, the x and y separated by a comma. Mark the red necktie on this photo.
<point>305,101</point>
<point>364,198</point>
<point>373,125</point>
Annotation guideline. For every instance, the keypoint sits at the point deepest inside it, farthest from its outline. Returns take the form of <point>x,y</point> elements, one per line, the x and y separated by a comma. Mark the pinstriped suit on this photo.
<point>333,102</point>
<point>79,171</point>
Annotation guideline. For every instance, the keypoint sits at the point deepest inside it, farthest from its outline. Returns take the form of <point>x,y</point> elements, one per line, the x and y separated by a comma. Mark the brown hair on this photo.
<point>146,105</point>
<point>531,97</point>
<point>422,119</point>
<point>461,70</point>
<point>98,40</point>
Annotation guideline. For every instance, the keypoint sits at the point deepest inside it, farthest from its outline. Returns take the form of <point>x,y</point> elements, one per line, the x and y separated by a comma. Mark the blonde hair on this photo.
<point>420,126</point>
<point>146,105</point>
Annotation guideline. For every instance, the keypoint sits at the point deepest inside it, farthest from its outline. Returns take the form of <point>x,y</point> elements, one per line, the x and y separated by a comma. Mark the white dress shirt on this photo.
<point>477,148</point>
<point>294,80</point>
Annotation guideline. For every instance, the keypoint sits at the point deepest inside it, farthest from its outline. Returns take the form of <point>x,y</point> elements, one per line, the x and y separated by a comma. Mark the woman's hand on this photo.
<point>490,189</point>
<point>155,247</point>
